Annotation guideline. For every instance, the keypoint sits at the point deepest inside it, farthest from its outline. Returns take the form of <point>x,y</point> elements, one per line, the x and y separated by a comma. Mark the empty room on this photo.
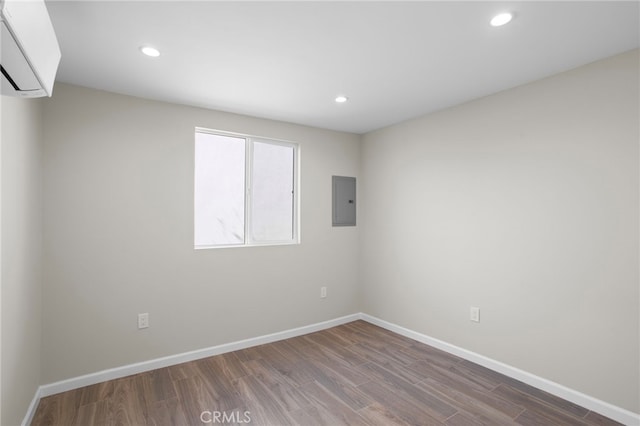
<point>320,213</point>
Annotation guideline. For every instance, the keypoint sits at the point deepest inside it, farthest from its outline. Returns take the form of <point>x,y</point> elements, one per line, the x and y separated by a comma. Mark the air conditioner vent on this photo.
<point>29,54</point>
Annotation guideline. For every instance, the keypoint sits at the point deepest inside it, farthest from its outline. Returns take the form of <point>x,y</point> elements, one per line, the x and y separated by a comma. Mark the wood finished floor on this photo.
<point>353,374</point>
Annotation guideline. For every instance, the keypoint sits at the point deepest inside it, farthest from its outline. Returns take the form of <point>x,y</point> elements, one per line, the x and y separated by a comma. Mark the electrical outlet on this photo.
<point>474,314</point>
<point>323,292</point>
<point>143,320</point>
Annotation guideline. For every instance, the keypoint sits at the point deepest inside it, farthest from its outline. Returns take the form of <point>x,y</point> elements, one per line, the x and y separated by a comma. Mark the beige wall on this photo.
<point>525,204</point>
<point>119,237</point>
<point>21,255</point>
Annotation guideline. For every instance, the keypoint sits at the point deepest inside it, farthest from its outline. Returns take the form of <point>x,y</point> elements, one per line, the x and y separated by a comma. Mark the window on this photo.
<point>245,190</point>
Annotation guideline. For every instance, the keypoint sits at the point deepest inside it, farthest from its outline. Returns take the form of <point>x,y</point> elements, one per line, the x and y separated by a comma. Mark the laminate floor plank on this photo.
<point>312,416</point>
<point>599,420</point>
<point>289,397</point>
<point>194,398</point>
<point>95,393</point>
<point>342,352</point>
<point>298,341</point>
<point>452,375</point>
<point>126,405</point>
<point>398,369</point>
<point>432,355</point>
<point>186,370</point>
<point>436,407</point>
<point>498,378</point>
<point>534,405</point>
<point>87,414</point>
<point>353,374</point>
<point>316,355</point>
<point>60,409</point>
<point>390,353</point>
<point>248,354</point>
<point>377,414</point>
<point>373,332</point>
<point>337,409</point>
<point>468,387</point>
<point>404,409</point>
<point>230,365</point>
<point>260,403</point>
<point>348,361</point>
<point>531,418</point>
<point>166,413</point>
<point>471,406</point>
<point>461,419</point>
<point>284,366</point>
<point>154,386</point>
<point>339,388</point>
<point>341,336</point>
<point>217,385</point>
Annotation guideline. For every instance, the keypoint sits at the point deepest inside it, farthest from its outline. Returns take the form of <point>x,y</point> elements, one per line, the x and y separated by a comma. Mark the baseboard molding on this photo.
<point>31,411</point>
<point>609,410</point>
<point>141,367</point>
<point>616,413</point>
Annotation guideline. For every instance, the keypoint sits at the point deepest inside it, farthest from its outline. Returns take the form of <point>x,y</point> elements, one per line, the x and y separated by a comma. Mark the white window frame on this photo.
<point>248,164</point>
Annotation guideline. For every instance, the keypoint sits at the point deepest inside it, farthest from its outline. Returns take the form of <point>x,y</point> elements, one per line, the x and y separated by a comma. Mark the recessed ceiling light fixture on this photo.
<point>341,99</point>
<point>150,51</point>
<point>501,19</point>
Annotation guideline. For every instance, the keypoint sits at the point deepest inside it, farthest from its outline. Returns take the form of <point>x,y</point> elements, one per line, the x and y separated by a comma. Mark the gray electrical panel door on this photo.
<point>344,201</point>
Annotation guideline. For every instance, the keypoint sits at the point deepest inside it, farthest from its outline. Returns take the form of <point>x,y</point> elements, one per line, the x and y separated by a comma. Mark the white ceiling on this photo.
<point>289,60</point>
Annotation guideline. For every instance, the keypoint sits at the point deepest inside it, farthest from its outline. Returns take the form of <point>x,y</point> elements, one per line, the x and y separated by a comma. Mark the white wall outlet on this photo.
<point>143,320</point>
<point>474,314</point>
<point>323,292</point>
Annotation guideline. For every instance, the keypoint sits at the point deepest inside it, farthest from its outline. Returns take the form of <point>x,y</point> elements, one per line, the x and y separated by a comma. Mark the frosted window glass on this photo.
<point>219,190</point>
<point>272,192</point>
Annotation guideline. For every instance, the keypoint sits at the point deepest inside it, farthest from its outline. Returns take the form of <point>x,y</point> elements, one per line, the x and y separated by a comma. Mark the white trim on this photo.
<point>606,409</point>
<point>141,367</point>
<point>609,410</point>
<point>31,411</point>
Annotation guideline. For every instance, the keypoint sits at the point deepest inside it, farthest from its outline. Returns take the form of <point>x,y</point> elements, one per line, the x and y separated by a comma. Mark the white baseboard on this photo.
<point>31,411</point>
<point>609,410</point>
<point>616,413</point>
<point>141,367</point>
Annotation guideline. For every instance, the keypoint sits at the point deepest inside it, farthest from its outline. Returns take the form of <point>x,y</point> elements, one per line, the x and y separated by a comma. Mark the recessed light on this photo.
<point>150,51</point>
<point>341,99</point>
<point>501,19</point>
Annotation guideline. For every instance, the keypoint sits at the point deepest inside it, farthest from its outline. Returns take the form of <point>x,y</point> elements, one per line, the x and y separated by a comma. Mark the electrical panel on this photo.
<point>344,201</point>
